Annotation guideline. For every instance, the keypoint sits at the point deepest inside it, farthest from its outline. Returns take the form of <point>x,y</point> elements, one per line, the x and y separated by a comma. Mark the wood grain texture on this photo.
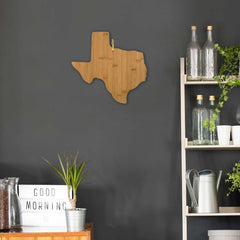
<point>47,238</point>
<point>83,235</point>
<point>121,70</point>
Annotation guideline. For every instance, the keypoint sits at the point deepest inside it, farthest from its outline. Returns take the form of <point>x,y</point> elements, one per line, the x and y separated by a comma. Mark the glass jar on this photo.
<point>4,205</point>
<point>15,210</point>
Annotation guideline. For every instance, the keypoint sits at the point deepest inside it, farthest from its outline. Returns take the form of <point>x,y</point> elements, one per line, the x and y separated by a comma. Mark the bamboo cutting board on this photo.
<point>121,70</point>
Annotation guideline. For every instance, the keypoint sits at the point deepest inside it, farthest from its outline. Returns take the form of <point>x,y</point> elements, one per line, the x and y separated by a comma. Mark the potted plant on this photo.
<point>72,174</point>
<point>234,179</point>
<point>228,78</point>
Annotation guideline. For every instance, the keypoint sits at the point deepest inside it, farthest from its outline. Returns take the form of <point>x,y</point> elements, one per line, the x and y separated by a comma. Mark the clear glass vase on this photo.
<point>15,209</point>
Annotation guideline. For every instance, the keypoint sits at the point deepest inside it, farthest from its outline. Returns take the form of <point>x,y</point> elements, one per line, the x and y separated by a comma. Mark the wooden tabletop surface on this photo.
<point>48,231</point>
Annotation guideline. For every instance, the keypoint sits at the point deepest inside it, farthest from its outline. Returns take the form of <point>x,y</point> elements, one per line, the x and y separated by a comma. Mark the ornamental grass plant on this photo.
<point>72,173</point>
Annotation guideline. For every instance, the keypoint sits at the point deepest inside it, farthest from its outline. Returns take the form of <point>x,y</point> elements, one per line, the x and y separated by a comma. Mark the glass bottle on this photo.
<point>199,113</point>
<point>4,205</point>
<point>15,211</point>
<point>209,56</point>
<point>193,60</point>
<point>213,138</point>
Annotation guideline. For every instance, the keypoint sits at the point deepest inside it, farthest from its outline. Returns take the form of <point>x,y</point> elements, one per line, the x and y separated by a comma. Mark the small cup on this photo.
<point>236,135</point>
<point>223,134</point>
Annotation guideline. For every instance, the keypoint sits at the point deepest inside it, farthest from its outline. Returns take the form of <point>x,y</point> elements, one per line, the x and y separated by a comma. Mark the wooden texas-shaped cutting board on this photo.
<point>120,70</point>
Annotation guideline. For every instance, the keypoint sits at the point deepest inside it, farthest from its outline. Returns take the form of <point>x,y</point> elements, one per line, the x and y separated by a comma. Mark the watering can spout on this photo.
<point>219,179</point>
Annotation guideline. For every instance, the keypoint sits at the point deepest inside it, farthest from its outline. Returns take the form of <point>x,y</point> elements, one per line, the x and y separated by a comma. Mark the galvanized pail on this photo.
<point>75,219</point>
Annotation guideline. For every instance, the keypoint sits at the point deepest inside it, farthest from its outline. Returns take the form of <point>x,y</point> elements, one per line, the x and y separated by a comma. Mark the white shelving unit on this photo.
<point>188,146</point>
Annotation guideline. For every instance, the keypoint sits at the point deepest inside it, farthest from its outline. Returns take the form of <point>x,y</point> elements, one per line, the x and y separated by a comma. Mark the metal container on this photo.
<point>224,234</point>
<point>75,219</point>
<point>203,193</point>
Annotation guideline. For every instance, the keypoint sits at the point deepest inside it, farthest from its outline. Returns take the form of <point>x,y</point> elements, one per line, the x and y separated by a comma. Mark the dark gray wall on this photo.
<point>133,190</point>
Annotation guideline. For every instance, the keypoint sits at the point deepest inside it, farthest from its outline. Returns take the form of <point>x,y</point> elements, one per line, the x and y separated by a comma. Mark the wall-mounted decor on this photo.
<point>121,70</point>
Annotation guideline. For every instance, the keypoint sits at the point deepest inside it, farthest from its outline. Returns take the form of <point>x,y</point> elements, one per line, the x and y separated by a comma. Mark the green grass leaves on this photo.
<point>72,173</point>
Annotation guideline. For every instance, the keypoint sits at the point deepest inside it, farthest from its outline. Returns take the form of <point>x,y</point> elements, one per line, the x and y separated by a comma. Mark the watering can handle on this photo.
<point>189,185</point>
<point>219,178</point>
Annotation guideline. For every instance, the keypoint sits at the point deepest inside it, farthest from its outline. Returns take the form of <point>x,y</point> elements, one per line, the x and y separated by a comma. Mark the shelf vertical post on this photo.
<point>183,150</point>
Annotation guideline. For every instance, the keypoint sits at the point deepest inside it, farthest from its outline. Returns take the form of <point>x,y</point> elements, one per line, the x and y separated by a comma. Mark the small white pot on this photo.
<point>75,219</point>
<point>236,135</point>
<point>224,134</point>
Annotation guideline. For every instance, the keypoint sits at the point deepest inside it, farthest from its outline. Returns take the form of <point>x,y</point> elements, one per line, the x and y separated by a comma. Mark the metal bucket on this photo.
<point>224,234</point>
<point>75,219</point>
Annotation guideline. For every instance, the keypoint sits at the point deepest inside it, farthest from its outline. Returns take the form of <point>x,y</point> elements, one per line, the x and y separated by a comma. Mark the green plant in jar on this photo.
<point>234,179</point>
<point>228,78</point>
<point>72,174</point>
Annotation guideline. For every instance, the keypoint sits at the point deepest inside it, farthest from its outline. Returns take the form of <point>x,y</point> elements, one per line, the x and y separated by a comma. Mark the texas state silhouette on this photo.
<point>119,69</point>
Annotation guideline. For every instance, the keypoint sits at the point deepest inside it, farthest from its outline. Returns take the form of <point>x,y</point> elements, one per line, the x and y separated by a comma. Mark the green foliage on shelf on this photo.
<point>72,174</point>
<point>234,179</point>
<point>228,78</point>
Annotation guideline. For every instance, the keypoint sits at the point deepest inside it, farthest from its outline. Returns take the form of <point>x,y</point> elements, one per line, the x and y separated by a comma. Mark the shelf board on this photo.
<point>223,211</point>
<point>200,81</point>
<point>189,146</point>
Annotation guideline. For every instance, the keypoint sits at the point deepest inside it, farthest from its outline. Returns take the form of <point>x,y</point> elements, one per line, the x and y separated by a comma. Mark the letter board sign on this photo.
<point>43,205</point>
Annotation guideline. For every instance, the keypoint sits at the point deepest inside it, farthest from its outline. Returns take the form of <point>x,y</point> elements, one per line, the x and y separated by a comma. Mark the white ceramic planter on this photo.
<point>224,134</point>
<point>75,219</point>
<point>236,135</point>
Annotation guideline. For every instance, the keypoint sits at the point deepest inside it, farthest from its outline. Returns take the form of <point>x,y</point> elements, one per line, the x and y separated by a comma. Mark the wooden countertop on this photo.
<point>43,231</point>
